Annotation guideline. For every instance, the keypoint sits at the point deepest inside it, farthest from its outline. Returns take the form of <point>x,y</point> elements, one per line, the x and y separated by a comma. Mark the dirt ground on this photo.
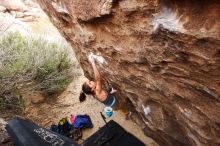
<point>51,111</point>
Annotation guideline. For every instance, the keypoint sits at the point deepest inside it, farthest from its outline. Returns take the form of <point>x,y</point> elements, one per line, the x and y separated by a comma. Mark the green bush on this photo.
<point>33,63</point>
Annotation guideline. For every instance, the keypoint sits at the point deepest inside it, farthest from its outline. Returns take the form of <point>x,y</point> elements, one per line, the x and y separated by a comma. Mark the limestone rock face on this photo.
<point>163,58</point>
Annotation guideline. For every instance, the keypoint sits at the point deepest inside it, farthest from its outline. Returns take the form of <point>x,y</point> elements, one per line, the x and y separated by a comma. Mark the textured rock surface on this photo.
<point>163,56</point>
<point>4,137</point>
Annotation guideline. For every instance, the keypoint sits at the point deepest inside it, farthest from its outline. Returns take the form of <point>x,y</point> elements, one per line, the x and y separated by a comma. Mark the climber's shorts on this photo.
<point>111,101</point>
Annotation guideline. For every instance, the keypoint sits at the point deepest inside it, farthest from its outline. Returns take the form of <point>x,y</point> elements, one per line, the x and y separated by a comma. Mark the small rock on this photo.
<point>26,19</point>
<point>20,15</point>
<point>28,13</point>
<point>13,13</point>
<point>31,4</point>
<point>37,99</point>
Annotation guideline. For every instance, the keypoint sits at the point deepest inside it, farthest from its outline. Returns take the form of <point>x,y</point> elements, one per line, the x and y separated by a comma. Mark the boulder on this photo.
<point>2,9</point>
<point>31,4</point>
<point>163,57</point>
<point>9,23</point>
<point>36,99</point>
<point>13,5</point>
<point>20,15</point>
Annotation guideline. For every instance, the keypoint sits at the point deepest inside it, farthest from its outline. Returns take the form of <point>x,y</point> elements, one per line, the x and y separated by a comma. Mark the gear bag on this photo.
<point>82,121</point>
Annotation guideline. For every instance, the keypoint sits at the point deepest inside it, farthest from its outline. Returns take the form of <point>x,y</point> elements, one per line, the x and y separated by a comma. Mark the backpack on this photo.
<point>82,121</point>
<point>76,134</point>
<point>64,127</point>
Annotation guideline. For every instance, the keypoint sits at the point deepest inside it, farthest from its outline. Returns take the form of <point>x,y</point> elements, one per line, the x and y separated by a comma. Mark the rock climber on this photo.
<point>105,96</point>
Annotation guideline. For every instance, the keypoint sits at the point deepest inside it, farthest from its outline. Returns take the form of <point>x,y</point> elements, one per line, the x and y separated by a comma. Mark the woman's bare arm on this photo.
<point>97,77</point>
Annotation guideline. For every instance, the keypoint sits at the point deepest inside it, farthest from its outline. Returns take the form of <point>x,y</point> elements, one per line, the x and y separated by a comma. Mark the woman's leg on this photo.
<point>120,105</point>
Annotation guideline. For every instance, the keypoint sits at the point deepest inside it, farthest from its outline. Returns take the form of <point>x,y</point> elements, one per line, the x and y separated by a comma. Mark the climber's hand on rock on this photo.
<point>91,58</point>
<point>92,61</point>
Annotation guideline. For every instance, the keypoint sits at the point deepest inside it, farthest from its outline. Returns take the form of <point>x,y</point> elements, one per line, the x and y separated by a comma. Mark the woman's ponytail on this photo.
<point>85,90</point>
<point>82,97</point>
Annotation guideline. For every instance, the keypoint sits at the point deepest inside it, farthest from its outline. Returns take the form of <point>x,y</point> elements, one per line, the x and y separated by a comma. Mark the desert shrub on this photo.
<point>33,63</point>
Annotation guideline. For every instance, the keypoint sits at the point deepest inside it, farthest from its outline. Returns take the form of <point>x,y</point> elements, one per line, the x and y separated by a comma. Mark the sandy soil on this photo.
<point>51,111</point>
